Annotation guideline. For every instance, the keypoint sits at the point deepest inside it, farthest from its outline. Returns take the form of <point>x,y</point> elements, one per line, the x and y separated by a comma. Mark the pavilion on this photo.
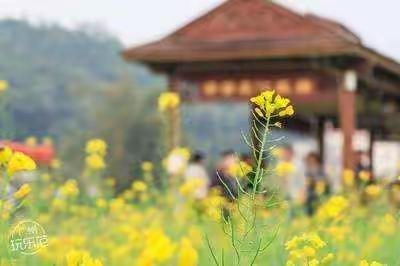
<point>244,46</point>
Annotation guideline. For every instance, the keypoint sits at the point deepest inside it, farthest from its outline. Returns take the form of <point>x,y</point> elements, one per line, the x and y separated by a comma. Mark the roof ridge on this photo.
<point>277,8</point>
<point>310,19</point>
<point>328,24</point>
<point>201,17</point>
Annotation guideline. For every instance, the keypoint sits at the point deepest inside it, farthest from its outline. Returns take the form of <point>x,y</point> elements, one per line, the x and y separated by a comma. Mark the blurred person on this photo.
<point>290,183</point>
<point>222,179</point>
<point>196,170</point>
<point>362,168</point>
<point>316,182</point>
<point>247,158</point>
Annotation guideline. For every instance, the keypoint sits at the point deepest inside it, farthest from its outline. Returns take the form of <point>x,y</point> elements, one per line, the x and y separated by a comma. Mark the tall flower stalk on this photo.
<point>248,236</point>
<point>10,164</point>
<point>7,130</point>
<point>169,102</point>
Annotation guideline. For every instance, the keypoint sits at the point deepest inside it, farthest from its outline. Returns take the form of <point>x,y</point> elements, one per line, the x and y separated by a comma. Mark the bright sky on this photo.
<point>139,21</point>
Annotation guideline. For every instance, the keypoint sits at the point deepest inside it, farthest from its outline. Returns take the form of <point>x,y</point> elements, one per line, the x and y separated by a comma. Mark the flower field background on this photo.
<point>156,220</point>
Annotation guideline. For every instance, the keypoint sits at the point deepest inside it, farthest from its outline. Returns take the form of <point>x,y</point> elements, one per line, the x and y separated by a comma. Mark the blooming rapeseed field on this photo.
<point>158,221</point>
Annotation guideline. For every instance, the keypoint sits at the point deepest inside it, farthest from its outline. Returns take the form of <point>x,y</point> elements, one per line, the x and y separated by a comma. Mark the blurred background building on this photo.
<point>345,94</point>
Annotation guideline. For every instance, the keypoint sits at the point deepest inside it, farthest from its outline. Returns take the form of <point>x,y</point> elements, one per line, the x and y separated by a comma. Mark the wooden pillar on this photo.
<point>347,119</point>
<point>371,149</point>
<point>174,118</point>
<point>320,138</point>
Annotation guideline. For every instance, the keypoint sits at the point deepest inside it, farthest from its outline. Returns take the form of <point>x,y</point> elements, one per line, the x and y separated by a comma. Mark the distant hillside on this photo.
<point>43,65</point>
<point>61,80</point>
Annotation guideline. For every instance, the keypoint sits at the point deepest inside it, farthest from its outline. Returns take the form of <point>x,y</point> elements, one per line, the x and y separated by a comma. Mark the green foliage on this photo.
<point>44,63</point>
<point>73,85</point>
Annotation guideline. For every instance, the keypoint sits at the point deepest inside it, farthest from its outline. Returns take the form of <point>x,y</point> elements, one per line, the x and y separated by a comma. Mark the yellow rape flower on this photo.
<point>348,177</point>
<point>364,176</point>
<point>147,166</point>
<point>277,152</point>
<point>259,112</point>
<point>240,169</point>
<point>268,104</point>
<point>128,194</point>
<point>31,141</point>
<point>58,204</point>
<point>45,177</point>
<point>338,233</point>
<point>189,187</point>
<point>284,168</point>
<point>328,258</point>
<point>20,162</point>
<point>373,190</point>
<point>313,262</point>
<point>309,252</point>
<point>304,248</point>
<point>195,235</point>
<point>70,188</point>
<point>5,155</point>
<point>320,187</point>
<point>290,263</point>
<point>47,141</point>
<point>101,203</point>
<point>75,258</point>
<point>117,205</point>
<point>374,263</point>
<point>263,99</point>
<point>187,255</point>
<point>95,161</point>
<point>333,208</point>
<point>139,186</point>
<point>293,243</point>
<point>168,100</point>
<point>55,164</point>
<point>110,181</point>
<point>22,192</point>
<point>158,247</point>
<point>288,111</point>
<point>311,239</point>
<point>3,85</point>
<point>96,146</point>
<point>5,208</point>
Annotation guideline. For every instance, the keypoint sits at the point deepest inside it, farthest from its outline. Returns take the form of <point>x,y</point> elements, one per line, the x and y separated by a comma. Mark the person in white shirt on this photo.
<point>197,171</point>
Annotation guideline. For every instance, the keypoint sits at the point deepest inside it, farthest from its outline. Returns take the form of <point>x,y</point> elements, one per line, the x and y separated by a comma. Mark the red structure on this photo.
<point>41,154</point>
<point>244,46</point>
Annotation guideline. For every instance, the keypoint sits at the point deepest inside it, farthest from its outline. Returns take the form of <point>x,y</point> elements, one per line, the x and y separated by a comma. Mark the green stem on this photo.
<point>260,157</point>
<point>4,192</point>
<point>3,223</point>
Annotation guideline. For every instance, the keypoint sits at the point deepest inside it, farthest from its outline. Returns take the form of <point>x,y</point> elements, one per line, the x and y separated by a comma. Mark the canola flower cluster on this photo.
<point>96,149</point>
<point>135,228</point>
<point>305,249</point>
<point>168,101</point>
<point>269,104</point>
<point>14,162</point>
<point>156,221</point>
<point>3,85</point>
<point>75,258</point>
<point>334,208</point>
